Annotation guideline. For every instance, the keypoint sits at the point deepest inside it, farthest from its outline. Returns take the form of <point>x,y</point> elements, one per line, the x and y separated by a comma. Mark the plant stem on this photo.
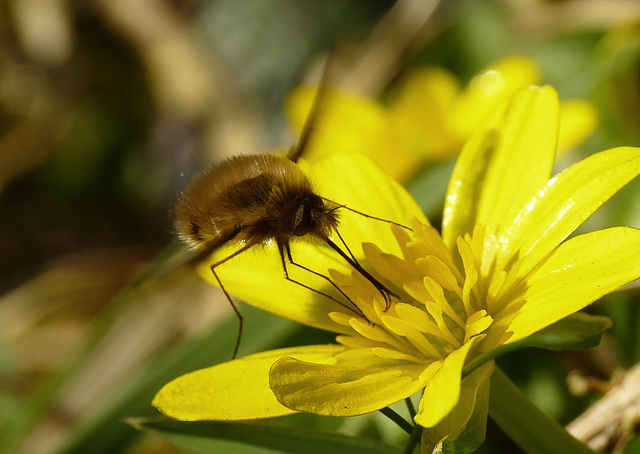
<point>526,424</point>
<point>410,407</point>
<point>399,420</point>
<point>414,439</point>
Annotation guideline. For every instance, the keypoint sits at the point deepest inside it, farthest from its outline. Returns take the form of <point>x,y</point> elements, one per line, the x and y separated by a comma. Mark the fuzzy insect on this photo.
<point>251,199</point>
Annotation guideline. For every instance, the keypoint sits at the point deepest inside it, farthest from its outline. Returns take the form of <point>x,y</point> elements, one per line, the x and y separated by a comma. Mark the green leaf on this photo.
<point>526,424</point>
<point>579,331</point>
<point>217,436</point>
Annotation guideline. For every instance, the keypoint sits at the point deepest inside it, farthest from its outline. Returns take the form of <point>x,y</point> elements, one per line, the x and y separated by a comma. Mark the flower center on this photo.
<point>443,300</point>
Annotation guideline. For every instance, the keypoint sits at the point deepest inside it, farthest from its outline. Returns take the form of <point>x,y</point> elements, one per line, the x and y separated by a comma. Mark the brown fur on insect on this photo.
<point>251,199</point>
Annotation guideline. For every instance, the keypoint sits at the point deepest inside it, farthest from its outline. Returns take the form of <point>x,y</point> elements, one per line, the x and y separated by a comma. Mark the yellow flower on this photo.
<point>428,118</point>
<point>500,271</point>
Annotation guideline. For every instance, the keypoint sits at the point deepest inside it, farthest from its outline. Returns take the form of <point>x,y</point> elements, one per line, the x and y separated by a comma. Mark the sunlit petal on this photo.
<point>566,201</point>
<point>468,420</point>
<point>349,123</point>
<point>577,273</point>
<point>344,389</point>
<point>237,389</point>
<point>502,166</point>
<point>358,183</point>
<point>419,112</point>
<point>494,85</point>
<point>578,120</point>
<point>443,388</point>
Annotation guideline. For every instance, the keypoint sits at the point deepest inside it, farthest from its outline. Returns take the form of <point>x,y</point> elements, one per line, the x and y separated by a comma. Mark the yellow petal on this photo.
<point>577,273</point>
<point>488,89</point>
<point>358,183</point>
<point>519,71</point>
<point>344,389</point>
<point>578,120</point>
<point>467,421</point>
<point>347,123</point>
<point>501,167</point>
<point>566,201</point>
<point>419,110</point>
<point>425,94</point>
<point>443,388</point>
<point>238,389</point>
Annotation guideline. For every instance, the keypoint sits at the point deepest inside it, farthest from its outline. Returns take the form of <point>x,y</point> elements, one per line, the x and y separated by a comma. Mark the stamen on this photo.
<point>433,241</point>
<point>395,354</point>
<point>451,306</point>
<point>416,290</point>
<point>437,295</point>
<point>393,268</point>
<point>477,246</point>
<point>404,328</point>
<point>341,318</point>
<point>436,312</point>
<point>413,335</point>
<point>357,342</point>
<point>436,269</point>
<point>376,333</point>
<point>353,285</point>
<point>494,288</point>
<point>471,274</point>
<point>359,290</point>
<point>403,239</point>
<point>412,315</point>
<point>380,308</point>
<point>476,324</point>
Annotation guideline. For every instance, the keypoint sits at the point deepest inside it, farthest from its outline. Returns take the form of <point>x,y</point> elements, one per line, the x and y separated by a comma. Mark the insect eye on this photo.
<point>304,220</point>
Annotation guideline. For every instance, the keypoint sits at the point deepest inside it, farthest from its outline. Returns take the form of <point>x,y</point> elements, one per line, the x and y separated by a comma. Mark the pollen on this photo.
<point>443,300</point>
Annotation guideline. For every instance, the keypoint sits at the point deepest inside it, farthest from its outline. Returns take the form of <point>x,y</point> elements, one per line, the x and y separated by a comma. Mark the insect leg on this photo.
<point>287,249</point>
<point>226,294</point>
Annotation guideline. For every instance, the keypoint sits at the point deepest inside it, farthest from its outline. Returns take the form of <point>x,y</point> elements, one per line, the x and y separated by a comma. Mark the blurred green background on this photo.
<point>109,107</point>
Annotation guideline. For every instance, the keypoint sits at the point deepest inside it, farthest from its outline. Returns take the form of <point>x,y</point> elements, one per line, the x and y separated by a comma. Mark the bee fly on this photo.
<point>251,199</point>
